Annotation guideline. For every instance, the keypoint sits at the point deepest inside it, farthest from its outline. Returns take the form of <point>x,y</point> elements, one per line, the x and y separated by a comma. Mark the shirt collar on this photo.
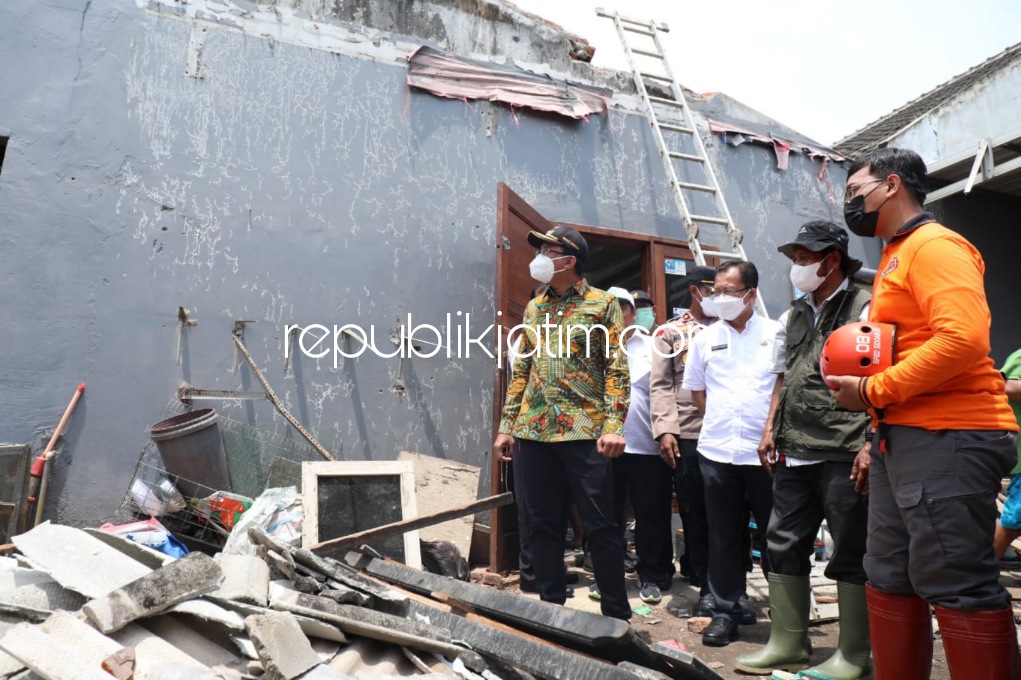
<point>810,298</point>
<point>913,223</point>
<point>578,288</point>
<point>753,320</point>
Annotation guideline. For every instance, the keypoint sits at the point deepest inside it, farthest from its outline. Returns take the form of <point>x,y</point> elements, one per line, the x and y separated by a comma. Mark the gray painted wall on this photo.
<point>290,185</point>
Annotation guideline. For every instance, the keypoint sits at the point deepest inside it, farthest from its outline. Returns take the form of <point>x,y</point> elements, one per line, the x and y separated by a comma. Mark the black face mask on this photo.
<point>858,221</point>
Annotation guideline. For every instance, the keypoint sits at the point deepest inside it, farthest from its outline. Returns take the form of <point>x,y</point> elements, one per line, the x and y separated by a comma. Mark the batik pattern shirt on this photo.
<point>571,379</point>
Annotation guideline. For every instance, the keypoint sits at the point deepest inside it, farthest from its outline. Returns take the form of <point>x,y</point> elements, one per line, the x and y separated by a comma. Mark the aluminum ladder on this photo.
<point>672,156</point>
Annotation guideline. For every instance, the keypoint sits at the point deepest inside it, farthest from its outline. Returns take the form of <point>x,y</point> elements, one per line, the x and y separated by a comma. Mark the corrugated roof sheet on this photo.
<point>873,134</point>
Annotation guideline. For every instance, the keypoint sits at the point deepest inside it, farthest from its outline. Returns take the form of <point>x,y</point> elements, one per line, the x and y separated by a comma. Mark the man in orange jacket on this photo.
<point>946,437</point>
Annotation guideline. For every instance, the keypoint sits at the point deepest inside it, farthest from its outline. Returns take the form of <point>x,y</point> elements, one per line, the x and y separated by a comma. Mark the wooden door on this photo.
<point>669,267</point>
<point>514,219</point>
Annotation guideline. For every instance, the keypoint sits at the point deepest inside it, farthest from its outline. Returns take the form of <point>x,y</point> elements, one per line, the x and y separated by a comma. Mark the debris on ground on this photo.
<point>92,604</point>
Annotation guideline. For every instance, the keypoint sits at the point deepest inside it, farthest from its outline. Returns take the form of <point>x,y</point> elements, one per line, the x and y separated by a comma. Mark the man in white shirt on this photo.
<point>641,473</point>
<point>728,373</point>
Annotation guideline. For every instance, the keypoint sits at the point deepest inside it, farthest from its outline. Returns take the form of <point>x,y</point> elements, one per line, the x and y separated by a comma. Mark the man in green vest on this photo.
<point>818,453</point>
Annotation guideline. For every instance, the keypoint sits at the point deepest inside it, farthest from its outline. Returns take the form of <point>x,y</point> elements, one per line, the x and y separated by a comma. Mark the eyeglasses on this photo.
<point>547,251</point>
<point>730,293</point>
<point>852,189</point>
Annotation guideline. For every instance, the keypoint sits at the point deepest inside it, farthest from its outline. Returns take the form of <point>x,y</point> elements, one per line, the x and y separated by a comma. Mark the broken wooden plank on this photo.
<point>446,604</point>
<point>337,545</point>
<point>193,575</point>
<point>586,628</point>
<point>540,659</point>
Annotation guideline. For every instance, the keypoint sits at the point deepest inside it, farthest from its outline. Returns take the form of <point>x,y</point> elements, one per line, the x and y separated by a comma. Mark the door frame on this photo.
<point>503,521</point>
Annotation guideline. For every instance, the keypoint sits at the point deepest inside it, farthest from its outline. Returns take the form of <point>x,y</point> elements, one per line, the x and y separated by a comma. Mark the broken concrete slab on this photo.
<point>384,599</point>
<point>142,554</point>
<point>322,672</point>
<point>193,575</point>
<point>285,565</point>
<point>290,600</point>
<point>541,617</point>
<point>245,646</point>
<point>439,484</point>
<point>77,560</point>
<point>156,658</point>
<point>685,664</point>
<point>61,647</point>
<point>212,612</point>
<point>209,644</point>
<point>311,627</point>
<point>9,665</point>
<point>375,632</point>
<point>48,656</point>
<point>343,595</point>
<point>326,649</point>
<point>34,589</point>
<point>245,579</point>
<point>370,656</point>
<point>283,648</point>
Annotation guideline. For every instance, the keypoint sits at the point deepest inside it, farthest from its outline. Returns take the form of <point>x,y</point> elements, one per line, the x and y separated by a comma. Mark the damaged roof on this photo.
<point>873,135</point>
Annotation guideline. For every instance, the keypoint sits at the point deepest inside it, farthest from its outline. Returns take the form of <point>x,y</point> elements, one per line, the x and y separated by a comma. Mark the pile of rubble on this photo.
<point>82,604</point>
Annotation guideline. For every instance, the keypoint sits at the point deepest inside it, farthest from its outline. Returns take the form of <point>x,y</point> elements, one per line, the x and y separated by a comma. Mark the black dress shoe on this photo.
<point>704,607</point>
<point>743,613</point>
<point>721,632</point>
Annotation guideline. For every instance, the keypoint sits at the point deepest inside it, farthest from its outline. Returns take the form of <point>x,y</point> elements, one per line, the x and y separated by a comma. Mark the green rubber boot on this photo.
<point>851,660</point>
<point>787,649</point>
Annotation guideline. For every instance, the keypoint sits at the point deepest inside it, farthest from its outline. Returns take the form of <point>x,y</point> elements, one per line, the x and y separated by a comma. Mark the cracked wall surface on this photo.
<point>285,185</point>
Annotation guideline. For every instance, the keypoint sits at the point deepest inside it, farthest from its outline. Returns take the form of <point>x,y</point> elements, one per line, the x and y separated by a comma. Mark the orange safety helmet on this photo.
<point>859,349</point>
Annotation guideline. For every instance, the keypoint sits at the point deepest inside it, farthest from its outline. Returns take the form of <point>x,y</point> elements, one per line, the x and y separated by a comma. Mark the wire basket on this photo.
<point>257,459</point>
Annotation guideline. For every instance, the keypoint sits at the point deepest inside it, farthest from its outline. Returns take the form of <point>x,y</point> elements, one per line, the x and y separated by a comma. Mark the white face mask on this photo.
<point>729,308</point>
<point>542,268</point>
<point>805,278</point>
<point>708,307</point>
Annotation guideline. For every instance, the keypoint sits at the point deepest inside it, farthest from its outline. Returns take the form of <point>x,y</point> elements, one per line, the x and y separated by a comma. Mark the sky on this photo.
<point>825,68</point>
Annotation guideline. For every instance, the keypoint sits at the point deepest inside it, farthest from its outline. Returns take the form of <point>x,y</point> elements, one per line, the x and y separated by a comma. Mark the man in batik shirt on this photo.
<point>565,405</point>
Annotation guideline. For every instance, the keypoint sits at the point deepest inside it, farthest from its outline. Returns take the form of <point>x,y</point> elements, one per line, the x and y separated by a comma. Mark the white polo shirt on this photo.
<point>734,370</point>
<point>638,437</point>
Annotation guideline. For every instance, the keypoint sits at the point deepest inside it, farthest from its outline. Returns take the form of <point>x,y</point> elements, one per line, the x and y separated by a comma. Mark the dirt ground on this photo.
<point>661,624</point>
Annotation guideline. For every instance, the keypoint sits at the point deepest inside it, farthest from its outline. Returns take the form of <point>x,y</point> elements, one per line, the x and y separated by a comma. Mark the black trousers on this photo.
<point>691,503</point>
<point>727,487</point>
<point>527,574</point>
<point>932,514</point>
<point>802,497</point>
<point>554,474</point>
<point>646,480</point>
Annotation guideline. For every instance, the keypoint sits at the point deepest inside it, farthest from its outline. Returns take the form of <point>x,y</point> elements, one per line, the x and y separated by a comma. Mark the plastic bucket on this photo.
<point>192,451</point>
